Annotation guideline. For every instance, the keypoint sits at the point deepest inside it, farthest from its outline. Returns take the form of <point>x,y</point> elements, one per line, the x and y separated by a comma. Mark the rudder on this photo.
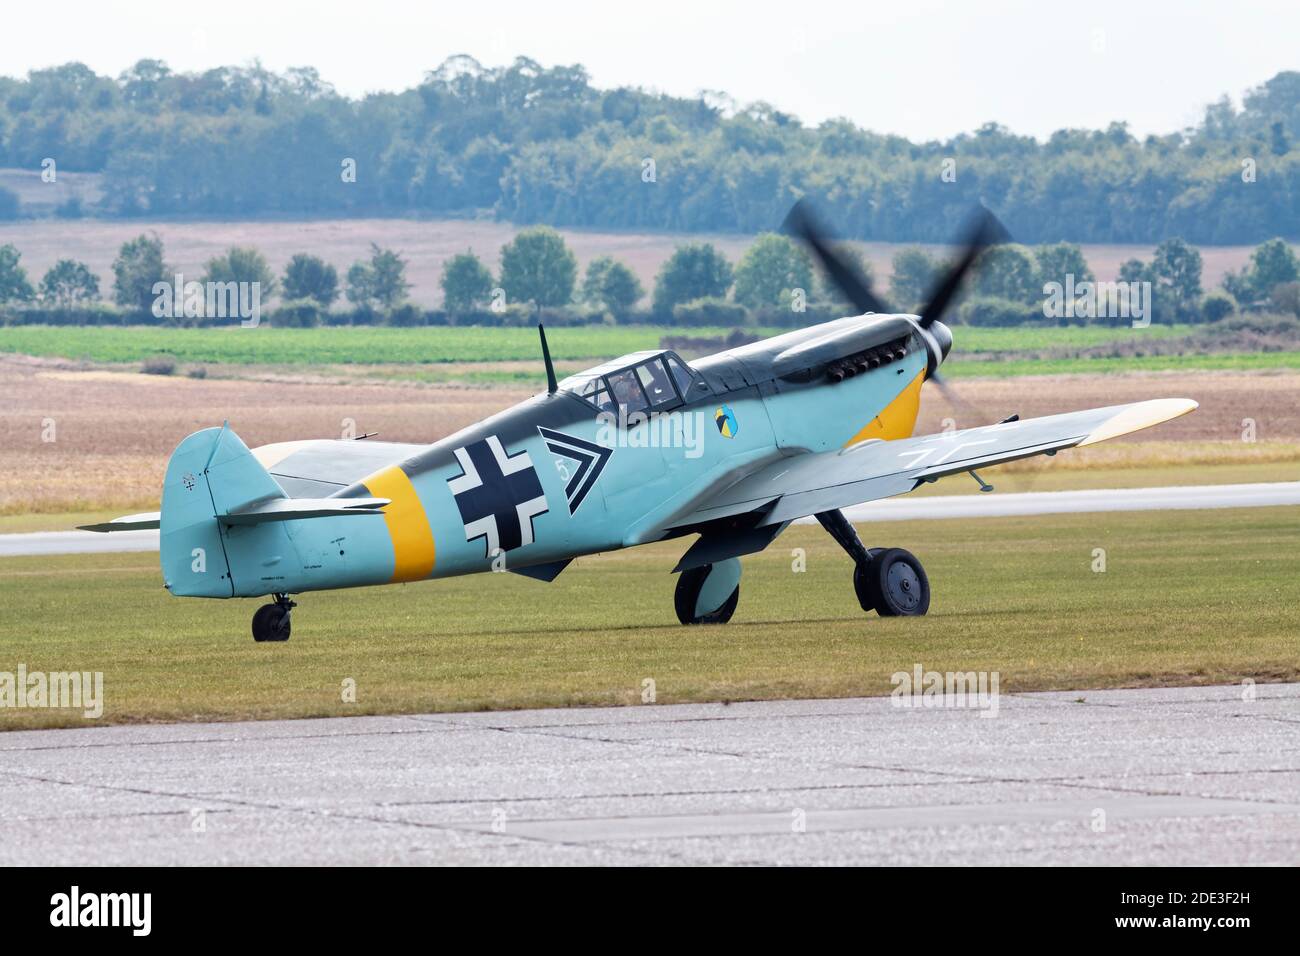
<point>211,472</point>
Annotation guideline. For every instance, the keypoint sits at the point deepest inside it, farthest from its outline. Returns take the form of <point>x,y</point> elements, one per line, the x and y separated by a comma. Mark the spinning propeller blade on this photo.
<point>848,278</point>
<point>982,230</point>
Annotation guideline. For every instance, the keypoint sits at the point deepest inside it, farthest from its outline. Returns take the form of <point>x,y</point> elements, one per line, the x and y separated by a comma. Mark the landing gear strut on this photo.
<point>271,622</point>
<point>889,581</point>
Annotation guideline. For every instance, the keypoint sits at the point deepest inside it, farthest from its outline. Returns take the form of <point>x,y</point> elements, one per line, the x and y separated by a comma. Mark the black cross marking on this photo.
<point>498,495</point>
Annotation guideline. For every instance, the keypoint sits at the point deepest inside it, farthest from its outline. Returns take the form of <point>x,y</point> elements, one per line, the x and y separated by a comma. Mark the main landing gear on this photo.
<point>271,622</point>
<point>708,594</point>
<point>889,581</point>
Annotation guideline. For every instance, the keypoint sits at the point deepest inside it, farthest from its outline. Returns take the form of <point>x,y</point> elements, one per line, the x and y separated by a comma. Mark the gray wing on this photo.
<point>320,467</point>
<point>808,483</point>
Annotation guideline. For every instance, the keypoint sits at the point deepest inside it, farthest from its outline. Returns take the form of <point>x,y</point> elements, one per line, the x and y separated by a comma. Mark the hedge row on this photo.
<point>307,314</point>
<point>698,313</point>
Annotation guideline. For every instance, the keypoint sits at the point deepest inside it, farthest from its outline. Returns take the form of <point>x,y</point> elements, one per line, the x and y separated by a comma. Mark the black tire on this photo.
<point>271,623</point>
<point>893,584</point>
<point>689,585</point>
<point>865,595</point>
<point>861,588</point>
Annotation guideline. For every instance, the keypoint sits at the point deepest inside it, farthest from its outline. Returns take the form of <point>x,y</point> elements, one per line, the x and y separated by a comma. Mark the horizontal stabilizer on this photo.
<point>145,521</point>
<point>292,509</point>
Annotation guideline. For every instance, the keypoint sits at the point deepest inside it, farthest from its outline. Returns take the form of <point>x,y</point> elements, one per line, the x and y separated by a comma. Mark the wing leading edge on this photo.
<point>814,482</point>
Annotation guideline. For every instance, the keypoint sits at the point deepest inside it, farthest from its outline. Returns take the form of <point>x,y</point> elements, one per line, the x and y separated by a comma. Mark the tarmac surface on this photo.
<point>906,508</point>
<point>1207,775</point>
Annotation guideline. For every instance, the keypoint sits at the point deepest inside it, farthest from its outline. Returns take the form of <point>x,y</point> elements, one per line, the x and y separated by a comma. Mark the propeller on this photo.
<point>981,231</point>
<point>848,278</point>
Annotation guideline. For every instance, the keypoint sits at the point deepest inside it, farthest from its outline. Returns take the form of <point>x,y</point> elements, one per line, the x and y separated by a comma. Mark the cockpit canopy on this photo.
<point>652,381</point>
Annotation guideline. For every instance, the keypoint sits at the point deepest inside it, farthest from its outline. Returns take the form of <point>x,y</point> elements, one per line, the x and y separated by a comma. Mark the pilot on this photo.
<point>626,392</point>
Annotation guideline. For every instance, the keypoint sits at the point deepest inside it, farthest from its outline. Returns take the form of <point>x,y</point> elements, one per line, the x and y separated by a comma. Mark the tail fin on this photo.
<point>211,473</point>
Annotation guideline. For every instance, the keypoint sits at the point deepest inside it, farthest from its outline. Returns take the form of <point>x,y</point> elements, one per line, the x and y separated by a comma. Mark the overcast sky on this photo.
<point>920,68</point>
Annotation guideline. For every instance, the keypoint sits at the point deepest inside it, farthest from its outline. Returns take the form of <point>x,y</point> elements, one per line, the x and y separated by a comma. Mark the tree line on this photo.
<point>775,283</point>
<point>542,145</point>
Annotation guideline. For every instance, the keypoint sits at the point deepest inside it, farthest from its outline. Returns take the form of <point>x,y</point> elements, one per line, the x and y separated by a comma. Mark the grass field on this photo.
<point>1225,362</point>
<point>329,346</point>
<point>423,354</point>
<point>1187,597</point>
<point>487,373</point>
<point>371,345</point>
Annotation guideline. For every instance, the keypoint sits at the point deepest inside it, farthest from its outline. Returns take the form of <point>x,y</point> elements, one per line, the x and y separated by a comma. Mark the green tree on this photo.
<point>915,271</point>
<point>68,283</point>
<point>381,282</point>
<point>1134,270</point>
<point>540,144</point>
<point>1217,305</point>
<point>1284,298</point>
<point>1008,271</point>
<point>536,266</point>
<point>1059,260</point>
<point>310,277</point>
<point>466,283</point>
<point>773,264</point>
<point>695,270</point>
<point>612,286</point>
<point>1271,264</point>
<point>1176,270</point>
<point>14,286</point>
<point>389,271</point>
<point>241,264</point>
<point>138,267</point>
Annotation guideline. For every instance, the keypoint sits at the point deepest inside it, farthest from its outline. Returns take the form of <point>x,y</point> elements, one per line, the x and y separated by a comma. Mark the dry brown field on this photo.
<point>114,430</point>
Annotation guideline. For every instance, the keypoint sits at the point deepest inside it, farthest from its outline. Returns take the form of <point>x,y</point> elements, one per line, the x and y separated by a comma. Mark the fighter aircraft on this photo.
<point>727,449</point>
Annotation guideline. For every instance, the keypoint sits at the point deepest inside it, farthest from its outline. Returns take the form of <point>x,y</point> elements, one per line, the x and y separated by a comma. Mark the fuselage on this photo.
<point>566,473</point>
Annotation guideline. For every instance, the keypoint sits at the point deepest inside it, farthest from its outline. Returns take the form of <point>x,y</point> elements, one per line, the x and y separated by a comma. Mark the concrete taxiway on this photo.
<point>1206,775</point>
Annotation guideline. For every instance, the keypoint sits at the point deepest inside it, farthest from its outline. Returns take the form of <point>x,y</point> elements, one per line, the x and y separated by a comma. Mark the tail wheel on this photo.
<point>893,583</point>
<point>708,595</point>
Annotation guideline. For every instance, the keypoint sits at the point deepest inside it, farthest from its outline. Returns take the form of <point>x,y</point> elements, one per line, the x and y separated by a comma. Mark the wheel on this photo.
<point>893,584</point>
<point>865,596</point>
<point>271,623</point>
<point>708,595</point>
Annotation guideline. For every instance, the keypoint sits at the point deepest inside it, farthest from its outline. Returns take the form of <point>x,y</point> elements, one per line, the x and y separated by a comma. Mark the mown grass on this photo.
<point>380,345</point>
<point>1216,362</point>
<point>423,354</point>
<point>1186,597</point>
<point>332,346</point>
